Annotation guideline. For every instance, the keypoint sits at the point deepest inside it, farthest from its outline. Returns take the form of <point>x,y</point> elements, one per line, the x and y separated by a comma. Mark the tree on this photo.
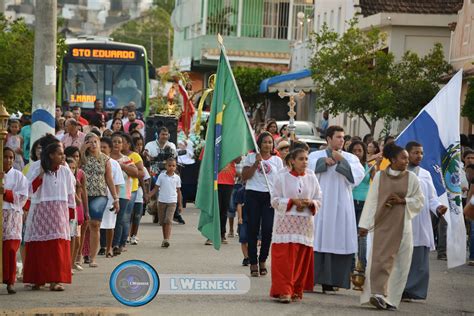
<point>354,73</point>
<point>16,65</point>
<point>153,31</point>
<point>249,79</point>
<point>468,107</point>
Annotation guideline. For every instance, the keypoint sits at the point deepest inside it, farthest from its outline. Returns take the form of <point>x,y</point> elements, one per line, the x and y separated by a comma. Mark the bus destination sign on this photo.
<point>97,53</point>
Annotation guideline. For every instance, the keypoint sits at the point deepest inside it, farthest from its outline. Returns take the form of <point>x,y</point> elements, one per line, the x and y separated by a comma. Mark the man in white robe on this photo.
<point>423,239</point>
<point>335,233</point>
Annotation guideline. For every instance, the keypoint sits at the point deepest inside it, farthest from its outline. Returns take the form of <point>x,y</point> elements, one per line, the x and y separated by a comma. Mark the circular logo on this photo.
<point>134,283</point>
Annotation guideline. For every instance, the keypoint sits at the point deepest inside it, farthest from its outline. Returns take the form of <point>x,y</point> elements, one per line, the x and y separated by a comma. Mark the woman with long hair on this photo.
<point>117,125</point>
<point>98,171</point>
<point>47,234</point>
<point>257,200</point>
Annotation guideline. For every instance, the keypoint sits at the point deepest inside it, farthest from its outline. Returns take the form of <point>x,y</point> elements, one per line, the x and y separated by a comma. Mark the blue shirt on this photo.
<point>26,134</point>
<point>359,193</point>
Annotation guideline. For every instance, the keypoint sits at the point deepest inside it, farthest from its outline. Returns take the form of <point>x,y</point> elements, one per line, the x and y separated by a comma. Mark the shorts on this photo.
<point>242,231</point>
<point>166,212</point>
<point>97,206</point>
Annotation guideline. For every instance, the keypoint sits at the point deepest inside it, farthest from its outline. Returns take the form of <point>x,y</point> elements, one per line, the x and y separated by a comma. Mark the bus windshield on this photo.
<point>115,84</point>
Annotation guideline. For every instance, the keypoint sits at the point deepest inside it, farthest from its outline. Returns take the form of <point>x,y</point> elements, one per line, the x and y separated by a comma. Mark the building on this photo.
<point>462,52</point>
<point>88,17</point>
<point>256,33</point>
<point>409,25</point>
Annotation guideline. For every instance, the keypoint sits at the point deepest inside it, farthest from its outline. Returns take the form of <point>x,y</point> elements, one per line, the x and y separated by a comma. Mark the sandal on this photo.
<point>253,270</point>
<point>109,255</point>
<point>93,265</point>
<point>116,251</point>
<point>56,287</point>
<point>36,287</point>
<point>263,269</point>
<point>285,299</point>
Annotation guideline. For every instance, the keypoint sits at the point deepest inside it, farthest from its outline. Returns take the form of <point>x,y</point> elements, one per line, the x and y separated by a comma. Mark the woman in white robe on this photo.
<point>394,198</point>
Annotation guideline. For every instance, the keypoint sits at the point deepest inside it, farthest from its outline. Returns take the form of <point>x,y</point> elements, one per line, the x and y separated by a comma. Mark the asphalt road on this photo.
<point>451,292</point>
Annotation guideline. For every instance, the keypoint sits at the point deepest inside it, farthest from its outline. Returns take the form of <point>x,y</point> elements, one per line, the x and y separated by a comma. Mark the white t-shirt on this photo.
<point>139,198</point>
<point>257,182</point>
<point>154,150</point>
<point>168,186</point>
<point>117,177</point>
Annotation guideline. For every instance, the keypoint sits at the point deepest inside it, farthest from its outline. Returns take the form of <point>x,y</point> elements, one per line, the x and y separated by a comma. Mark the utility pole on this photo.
<point>44,73</point>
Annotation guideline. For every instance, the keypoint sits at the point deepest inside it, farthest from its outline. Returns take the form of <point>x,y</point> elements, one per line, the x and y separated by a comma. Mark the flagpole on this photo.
<point>220,40</point>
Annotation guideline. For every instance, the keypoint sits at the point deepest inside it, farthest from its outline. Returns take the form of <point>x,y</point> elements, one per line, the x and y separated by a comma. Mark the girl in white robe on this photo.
<point>15,196</point>
<point>394,198</point>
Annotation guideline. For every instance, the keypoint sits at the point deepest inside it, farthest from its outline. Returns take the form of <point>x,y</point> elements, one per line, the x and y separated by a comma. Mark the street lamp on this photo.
<point>3,133</point>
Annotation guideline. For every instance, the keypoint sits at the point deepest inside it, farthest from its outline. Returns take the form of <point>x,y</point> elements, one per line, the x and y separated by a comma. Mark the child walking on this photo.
<point>14,197</point>
<point>242,225</point>
<point>168,185</point>
<point>15,142</point>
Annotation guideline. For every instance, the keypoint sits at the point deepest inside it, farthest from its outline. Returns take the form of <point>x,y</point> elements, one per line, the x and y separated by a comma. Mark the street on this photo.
<point>450,292</point>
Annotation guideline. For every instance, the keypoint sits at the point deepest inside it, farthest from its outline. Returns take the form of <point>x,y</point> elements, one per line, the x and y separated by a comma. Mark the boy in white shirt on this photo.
<point>168,185</point>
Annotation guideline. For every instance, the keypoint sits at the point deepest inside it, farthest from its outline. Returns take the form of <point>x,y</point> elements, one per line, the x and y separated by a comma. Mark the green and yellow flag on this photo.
<point>228,137</point>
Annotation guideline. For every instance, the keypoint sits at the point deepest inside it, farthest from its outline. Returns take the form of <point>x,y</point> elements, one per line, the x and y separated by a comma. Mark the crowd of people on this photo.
<point>80,194</point>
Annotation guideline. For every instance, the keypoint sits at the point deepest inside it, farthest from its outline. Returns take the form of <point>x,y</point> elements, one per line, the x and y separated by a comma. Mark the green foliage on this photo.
<point>167,5</point>
<point>248,80</point>
<point>468,107</point>
<point>354,73</point>
<point>16,64</point>
<point>154,26</point>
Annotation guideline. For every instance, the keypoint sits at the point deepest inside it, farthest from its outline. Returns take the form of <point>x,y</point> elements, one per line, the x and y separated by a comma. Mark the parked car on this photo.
<point>306,132</point>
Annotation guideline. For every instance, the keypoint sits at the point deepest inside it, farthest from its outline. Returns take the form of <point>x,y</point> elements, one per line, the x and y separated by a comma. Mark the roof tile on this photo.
<point>371,7</point>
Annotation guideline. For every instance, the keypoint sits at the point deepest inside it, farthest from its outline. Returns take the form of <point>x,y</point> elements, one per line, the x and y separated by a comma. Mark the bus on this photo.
<point>116,73</point>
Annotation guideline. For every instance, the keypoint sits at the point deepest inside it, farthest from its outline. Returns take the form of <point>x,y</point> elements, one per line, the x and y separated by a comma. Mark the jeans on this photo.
<point>259,216</point>
<point>97,206</point>
<point>362,241</point>
<point>122,225</point>
<point>137,213</point>
<point>224,194</point>
<point>471,242</point>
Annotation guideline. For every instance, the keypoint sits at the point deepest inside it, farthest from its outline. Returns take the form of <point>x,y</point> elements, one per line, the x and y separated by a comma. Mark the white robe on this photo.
<point>335,229</point>
<point>401,266</point>
<point>291,226</point>
<point>421,223</point>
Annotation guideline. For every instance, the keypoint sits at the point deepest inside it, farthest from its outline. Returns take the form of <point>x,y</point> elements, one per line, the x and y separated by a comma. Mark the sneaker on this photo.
<point>165,244</point>
<point>133,241</point>
<point>77,266</point>
<point>208,242</point>
<point>245,262</point>
<point>87,260</point>
<point>128,239</point>
<point>101,252</point>
<point>378,302</point>
<point>224,241</point>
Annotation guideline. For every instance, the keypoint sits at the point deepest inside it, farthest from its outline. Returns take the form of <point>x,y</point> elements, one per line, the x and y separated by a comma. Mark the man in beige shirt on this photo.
<point>73,136</point>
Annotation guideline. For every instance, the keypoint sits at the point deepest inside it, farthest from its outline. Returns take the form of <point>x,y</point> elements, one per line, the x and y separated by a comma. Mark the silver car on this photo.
<point>306,132</point>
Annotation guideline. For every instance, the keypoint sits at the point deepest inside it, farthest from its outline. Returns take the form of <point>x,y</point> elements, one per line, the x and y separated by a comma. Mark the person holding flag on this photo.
<point>227,122</point>
<point>441,141</point>
<point>423,239</point>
